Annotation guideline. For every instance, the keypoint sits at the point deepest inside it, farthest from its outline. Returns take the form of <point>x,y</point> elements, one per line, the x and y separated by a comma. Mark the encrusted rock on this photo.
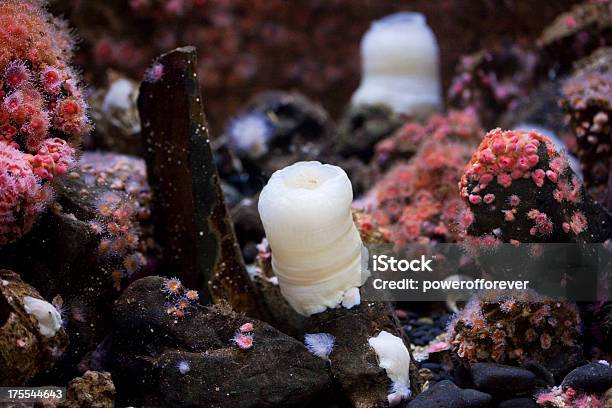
<point>599,60</point>
<point>460,126</point>
<point>110,192</point>
<point>517,330</point>
<point>588,102</point>
<point>93,390</point>
<point>575,34</point>
<point>606,400</point>
<point>28,345</point>
<point>95,241</point>
<point>492,80</point>
<point>519,189</point>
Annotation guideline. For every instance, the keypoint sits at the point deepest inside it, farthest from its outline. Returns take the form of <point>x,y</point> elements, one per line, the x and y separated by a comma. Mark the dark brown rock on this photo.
<point>248,226</point>
<point>191,222</point>
<point>150,344</point>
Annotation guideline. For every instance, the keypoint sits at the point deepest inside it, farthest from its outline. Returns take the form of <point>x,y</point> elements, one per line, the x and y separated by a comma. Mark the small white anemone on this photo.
<point>120,96</point>
<point>248,135</point>
<point>183,367</point>
<point>394,357</point>
<point>320,344</point>
<point>49,319</point>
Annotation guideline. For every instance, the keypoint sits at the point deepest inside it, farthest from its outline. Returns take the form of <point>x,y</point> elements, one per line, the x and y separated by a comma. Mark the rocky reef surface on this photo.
<point>135,269</point>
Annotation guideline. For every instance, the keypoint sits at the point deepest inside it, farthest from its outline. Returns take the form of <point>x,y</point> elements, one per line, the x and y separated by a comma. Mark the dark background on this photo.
<point>312,46</point>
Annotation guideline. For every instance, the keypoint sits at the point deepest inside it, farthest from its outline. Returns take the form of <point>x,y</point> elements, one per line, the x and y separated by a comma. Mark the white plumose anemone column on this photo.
<point>400,65</point>
<point>316,249</point>
<point>394,357</point>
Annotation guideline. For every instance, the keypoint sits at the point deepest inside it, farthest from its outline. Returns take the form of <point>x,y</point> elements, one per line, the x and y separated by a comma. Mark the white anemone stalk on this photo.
<point>394,357</point>
<point>316,249</point>
<point>400,65</point>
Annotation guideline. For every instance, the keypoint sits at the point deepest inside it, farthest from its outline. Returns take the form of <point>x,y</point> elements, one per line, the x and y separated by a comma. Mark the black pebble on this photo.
<point>590,378</point>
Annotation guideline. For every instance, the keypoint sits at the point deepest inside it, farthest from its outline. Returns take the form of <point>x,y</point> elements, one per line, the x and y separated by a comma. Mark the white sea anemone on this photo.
<point>394,357</point>
<point>120,96</point>
<point>248,134</point>
<point>316,249</point>
<point>49,319</point>
<point>400,65</point>
<point>320,344</point>
<point>183,367</point>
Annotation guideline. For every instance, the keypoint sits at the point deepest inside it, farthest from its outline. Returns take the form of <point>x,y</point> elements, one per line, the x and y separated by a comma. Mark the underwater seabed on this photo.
<point>149,259</point>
